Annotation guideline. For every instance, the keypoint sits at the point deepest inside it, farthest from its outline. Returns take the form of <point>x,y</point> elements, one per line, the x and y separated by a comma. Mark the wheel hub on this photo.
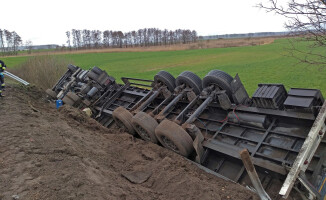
<point>170,144</point>
<point>143,133</point>
<point>120,124</point>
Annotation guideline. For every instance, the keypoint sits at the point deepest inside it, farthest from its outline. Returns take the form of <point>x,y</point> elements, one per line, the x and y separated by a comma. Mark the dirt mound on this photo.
<point>77,117</point>
<point>51,154</point>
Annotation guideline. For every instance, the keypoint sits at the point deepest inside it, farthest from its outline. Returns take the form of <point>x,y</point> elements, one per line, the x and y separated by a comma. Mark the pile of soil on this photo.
<point>47,153</point>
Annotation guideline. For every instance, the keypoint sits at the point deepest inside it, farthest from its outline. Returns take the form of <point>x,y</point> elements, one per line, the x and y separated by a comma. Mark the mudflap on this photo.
<point>199,138</point>
<point>199,147</point>
<point>239,93</point>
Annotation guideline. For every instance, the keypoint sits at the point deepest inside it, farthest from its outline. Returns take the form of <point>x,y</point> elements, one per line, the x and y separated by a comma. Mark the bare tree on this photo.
<point>29,46</point>
<point>87,38</point>
<point>78,38</point>
<point>9,42</point>
<point>16,42</point>
<point>194,36</point>
<point>68,39</point>
<point>96,38</point>
<point>134,36</point>
<point>306,21</point>
<point>2,42</point>
<point>74,41</point>
<point>106,38</point>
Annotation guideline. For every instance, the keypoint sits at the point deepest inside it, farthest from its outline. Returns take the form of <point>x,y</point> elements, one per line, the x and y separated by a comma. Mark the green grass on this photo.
<point>254,64</point>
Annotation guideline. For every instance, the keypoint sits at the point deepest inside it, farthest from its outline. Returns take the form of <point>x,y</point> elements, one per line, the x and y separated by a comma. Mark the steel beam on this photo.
<point>245,157</point>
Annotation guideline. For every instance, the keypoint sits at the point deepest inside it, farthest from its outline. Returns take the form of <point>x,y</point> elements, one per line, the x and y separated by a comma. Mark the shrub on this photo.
<point>42,71</point>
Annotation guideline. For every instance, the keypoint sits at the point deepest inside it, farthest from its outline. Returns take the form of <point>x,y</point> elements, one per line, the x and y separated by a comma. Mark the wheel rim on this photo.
<point>120,124</point>
<point>169,144</point>
<point>216,86</point>
<point>143,133</point>
<point>162,84</point>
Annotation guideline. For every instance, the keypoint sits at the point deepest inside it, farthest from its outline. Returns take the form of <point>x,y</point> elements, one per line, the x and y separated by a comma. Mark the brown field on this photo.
<point>202,44</point>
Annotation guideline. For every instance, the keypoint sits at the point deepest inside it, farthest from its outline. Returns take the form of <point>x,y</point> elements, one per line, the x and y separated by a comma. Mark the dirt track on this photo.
<point>50,154</point>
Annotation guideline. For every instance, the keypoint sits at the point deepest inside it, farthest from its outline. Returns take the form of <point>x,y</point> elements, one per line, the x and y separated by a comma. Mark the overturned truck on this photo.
<point>211,121</point>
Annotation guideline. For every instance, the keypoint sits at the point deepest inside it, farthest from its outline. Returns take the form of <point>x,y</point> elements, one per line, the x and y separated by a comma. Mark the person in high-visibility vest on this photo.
<point>2,81</point>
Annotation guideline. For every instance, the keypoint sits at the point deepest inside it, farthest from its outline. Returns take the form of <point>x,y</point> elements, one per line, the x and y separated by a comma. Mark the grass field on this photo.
<point>254,64</point>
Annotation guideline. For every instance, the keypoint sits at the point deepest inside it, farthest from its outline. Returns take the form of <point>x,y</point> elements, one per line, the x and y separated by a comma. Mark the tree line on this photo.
<point>9,42</point>
<point>86,39</point>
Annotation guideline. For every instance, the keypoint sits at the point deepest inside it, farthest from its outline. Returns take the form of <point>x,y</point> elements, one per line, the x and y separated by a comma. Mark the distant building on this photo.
<point>46,46</point>
<point>244,35</point>
<point>38,47</point>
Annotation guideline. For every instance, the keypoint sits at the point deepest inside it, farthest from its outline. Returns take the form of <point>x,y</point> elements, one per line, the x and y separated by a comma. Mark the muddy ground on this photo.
<point>62,154</point>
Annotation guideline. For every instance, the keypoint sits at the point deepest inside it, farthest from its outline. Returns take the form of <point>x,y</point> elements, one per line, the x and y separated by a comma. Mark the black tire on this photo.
<point>123,118</point>
<point>97,70</point>
<point>166,78</point>
<point>72,68</point>
<point>92,75</point>
<point>174,137</point>
<point>145,126</point>
<point>73,96</point>
<point>51,93</point>
<point>191,80</point>
<point>68,101</point>
<point>219,78</point>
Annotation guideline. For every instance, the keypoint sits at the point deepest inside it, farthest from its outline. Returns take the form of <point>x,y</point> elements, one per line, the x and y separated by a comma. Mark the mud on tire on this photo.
<point>123,118</point>
<point>145,126</point>
<point>73,96</point>
<point>174,137</point>
<point>68,101</point>
<point>51,93</point>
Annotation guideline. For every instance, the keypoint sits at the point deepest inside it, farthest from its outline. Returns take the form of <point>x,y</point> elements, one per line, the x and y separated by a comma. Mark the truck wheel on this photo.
<point>145,126</point>
<point>123,119</point>
<point>72,68</point>
<point>166,78</point>
<point>51,93</point>
<point>97,70</point>
<point>92,75</point>
<point>174,137</point>
<point>74,97</point>
<point>191,80</point>
<point>220,79</point>
<point>68,101</point>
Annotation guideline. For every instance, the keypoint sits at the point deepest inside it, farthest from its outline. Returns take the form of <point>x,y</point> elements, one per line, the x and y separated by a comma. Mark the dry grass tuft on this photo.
<point>223,43</point>
<point>42,71</point>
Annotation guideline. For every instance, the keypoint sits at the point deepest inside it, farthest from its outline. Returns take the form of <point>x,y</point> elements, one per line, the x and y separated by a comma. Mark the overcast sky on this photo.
<point>45,22</point>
